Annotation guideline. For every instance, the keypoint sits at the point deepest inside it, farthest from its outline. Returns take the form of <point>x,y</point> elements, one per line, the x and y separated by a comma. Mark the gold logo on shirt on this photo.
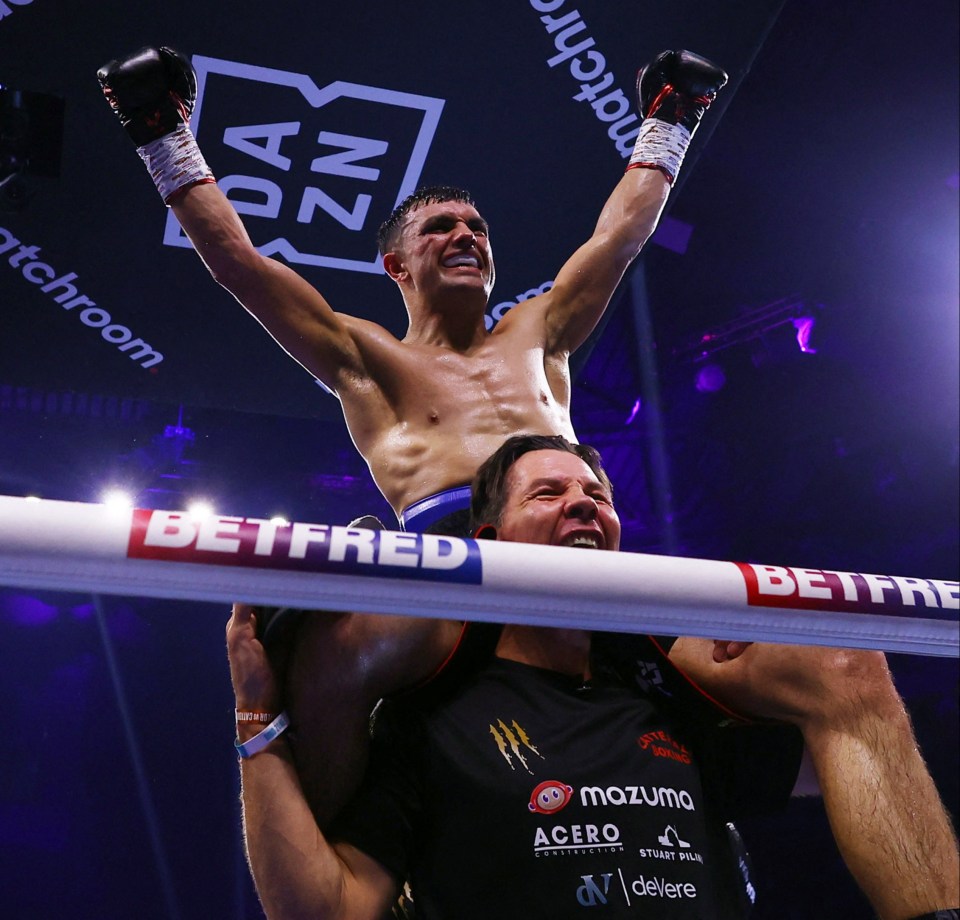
<point>511,740</point>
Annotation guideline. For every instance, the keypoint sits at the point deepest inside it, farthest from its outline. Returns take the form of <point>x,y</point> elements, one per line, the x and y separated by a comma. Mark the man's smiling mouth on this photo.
<point>462,259</point>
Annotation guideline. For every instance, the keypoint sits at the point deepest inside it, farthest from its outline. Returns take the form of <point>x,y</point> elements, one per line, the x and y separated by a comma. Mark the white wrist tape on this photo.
<point>660,146</point>
<point>174,161</point>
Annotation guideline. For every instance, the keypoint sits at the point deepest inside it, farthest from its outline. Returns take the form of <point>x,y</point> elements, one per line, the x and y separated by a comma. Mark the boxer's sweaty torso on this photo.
<point>429,415</point>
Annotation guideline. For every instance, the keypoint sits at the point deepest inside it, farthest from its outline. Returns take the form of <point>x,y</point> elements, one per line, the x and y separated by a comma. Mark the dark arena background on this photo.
<point>776,379</point>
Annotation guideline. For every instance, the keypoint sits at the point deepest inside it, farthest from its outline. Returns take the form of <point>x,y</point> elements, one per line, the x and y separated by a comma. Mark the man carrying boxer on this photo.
<point>475,791</point>
<point>426,410</point>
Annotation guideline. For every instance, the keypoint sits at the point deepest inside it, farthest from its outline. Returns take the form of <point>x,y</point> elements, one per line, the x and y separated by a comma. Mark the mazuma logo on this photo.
<point>308,165</point>
<point>653,796</point>
<point>549,797</point>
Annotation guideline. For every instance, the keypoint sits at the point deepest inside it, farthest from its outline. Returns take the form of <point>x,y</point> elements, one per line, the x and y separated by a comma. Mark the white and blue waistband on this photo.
<point>427,511</point>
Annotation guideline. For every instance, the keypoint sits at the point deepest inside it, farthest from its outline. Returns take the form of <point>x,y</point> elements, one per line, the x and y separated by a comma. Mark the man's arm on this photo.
<point>887,817</point>
<point>586,282</point>
<point>153,93</point>
<point>296,871</point>
<point>673,92</point>
<point>290,309</point>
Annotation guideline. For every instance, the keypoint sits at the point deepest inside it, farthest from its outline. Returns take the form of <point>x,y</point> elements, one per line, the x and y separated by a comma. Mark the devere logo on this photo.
<point>313,169</point>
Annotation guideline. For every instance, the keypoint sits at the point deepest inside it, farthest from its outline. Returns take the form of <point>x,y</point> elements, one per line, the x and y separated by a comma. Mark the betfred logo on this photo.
<point>313,169</point>
<point>816,589</point>
<point>175,536</point>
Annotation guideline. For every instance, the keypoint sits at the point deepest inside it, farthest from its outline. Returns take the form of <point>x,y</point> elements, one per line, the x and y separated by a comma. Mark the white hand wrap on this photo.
<point>660,146</point>
<point>174,161</point>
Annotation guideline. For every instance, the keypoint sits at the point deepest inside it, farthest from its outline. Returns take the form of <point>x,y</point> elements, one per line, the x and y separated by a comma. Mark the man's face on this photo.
<point>553,497</point>
<point>446,243</point>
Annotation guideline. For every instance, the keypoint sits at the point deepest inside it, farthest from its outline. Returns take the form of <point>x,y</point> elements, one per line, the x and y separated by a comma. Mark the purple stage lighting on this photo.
<point>804,326</point>
<point>27,611</point>
<point>710,379</point>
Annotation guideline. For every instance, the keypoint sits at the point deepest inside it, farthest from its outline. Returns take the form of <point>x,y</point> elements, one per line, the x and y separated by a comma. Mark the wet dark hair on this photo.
<point>430,194</point>
<point>489,490</point>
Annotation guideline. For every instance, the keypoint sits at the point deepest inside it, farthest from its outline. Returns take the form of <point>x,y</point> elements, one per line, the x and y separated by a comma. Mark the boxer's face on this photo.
<point>445,243</point>
<point>553,497</point>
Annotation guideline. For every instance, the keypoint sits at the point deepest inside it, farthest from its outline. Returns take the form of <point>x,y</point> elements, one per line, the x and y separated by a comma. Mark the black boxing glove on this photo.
<point>677,87</point>
<point>153,91</point>
<point>673,92</point>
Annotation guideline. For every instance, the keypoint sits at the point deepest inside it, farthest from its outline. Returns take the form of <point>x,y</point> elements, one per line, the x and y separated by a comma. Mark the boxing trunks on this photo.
<point>446,512</point>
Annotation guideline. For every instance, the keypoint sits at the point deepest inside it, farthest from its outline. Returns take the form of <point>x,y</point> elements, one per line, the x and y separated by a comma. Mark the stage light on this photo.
<point>757,327</point>
<point>804,326</point>
<point>200,509</point>
<point>279,520</point>
<point>710,379</point>
<point>116,499</point>
<point>24,610</point>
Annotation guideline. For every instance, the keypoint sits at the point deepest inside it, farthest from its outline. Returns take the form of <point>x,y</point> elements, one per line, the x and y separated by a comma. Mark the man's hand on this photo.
<point>728,651</point>
<point>677,87</point>
<point>673,92</point>
<point>153,92</point>
<point>254,683</point>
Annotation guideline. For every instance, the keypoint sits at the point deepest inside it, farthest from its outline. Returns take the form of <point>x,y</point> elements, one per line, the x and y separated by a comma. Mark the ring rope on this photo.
<point>72,546</point>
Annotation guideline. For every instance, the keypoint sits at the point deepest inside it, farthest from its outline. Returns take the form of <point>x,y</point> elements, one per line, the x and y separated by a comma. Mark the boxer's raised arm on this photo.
<point>153,93</point>
<point>673,92</point>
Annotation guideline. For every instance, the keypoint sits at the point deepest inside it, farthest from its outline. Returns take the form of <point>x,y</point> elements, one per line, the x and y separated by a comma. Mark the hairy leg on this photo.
<point>884,809</point>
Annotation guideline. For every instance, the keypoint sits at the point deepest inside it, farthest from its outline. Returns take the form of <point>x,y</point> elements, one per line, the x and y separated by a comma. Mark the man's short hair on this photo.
<point>389,231</point>
<point>489,489</point>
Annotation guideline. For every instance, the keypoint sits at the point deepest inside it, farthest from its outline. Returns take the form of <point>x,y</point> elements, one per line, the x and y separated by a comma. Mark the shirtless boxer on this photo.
<point>426,410</point>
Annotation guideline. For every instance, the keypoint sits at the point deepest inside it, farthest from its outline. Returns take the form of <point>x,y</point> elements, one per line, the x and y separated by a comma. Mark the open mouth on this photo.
<point>584,541</point>
<point>463,259</point>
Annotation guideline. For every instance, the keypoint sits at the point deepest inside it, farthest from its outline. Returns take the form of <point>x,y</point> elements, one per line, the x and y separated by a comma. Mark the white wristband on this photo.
<point>258,742</point>
<point>174,161</point>
<point>254,715</point>
<point>661,146</point>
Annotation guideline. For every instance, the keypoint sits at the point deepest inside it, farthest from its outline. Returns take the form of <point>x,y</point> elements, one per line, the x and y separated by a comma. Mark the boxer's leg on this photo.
<point>340,665</point>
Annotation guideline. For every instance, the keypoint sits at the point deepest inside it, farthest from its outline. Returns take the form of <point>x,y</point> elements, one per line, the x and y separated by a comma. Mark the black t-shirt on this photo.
<point>526,794</point>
